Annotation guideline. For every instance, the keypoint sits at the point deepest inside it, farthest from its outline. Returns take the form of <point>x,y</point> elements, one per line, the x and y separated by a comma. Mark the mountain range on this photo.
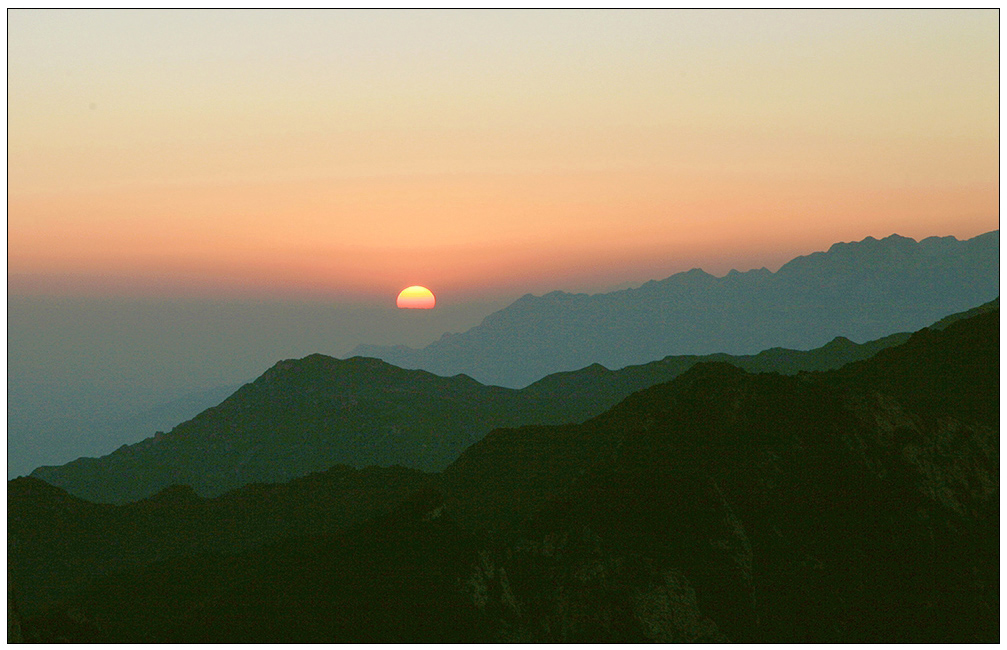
<point>306,415</point>
<point>854,504</point>
<point>862,290</point>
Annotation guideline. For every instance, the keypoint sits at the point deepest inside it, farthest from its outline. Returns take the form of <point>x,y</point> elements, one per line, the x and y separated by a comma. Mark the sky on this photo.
<point>349,154</point>
<point>194,195</point>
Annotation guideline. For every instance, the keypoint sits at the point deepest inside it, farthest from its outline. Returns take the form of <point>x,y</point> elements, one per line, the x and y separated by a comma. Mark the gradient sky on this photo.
<point>481,153</point>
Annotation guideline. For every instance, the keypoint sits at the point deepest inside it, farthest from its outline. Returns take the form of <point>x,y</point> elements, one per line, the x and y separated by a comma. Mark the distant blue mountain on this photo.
<point>862,290</point>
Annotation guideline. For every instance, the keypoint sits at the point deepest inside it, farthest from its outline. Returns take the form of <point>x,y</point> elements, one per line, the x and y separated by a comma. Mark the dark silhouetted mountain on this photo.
<point>393,579</point>
<point>851,505</point>
<point>950,373</point>
<point>306,415</point>
<point>863,290</point>
<point>59,542</point>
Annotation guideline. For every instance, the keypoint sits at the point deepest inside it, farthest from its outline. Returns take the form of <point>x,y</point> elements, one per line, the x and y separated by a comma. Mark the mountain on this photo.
<point>850,506</point>
<point>306,415</point>
<point>300,416</point>
<point>59,542</point>
<point>863,290</point>
<point>382,580</point>
<point>916,373</point>
<point>846,506</point>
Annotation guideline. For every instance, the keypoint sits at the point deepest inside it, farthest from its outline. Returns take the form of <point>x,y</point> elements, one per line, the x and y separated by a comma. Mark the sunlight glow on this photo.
<point>415,297</point>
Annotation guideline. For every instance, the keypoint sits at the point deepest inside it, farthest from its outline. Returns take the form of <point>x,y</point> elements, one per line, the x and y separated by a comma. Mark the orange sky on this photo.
<point>356,153</point>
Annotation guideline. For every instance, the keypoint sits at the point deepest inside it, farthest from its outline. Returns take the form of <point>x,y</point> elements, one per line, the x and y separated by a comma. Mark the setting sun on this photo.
<point>415,297</point>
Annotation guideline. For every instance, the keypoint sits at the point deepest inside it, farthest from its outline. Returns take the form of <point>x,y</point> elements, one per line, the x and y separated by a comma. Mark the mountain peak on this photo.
<point>839,342</point>
<point>870,242</point>
<point>323,363</point>
<point>695,273</point>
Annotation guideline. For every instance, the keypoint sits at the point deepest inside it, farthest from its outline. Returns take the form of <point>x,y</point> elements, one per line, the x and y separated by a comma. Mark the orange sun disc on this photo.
<point>415,297</point>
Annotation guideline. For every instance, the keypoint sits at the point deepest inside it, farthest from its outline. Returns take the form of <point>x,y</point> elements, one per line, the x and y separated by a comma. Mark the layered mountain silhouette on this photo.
<point>862,290</point>
<point>859,504</point>
<point>61,541</point>
<point>307,415</point>
<point>855,505</point>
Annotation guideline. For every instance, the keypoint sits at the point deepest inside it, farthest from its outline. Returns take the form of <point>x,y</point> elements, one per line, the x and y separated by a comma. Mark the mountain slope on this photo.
<point>862,290</point>
<point>299,417</point>
<point>544,459</point>
<point>305,415</point>
<point>59,542</point>
<point>844,506</point>
<point>840,507</point>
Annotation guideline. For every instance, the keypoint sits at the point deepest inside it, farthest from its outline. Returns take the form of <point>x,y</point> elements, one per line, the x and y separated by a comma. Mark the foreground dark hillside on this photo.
<point>842,507</point>
<point>858,505</point>
<point>308,414</point>
<point>59,542</point>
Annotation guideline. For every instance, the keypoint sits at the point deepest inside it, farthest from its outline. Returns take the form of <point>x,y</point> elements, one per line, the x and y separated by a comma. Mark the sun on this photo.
<point>416,297</point>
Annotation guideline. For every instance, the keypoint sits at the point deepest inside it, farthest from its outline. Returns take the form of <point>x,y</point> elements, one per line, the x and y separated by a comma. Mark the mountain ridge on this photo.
<point>724,505</point>
<point>845,506</point>
<point>862,290</point>
<point>306,415</point>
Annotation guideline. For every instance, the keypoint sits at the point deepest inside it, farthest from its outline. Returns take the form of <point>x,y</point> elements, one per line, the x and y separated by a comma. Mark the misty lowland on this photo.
<point>841,486</point>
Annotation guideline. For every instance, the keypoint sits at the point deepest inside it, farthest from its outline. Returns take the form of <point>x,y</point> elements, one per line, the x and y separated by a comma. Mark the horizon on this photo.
<point>73,288</point>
